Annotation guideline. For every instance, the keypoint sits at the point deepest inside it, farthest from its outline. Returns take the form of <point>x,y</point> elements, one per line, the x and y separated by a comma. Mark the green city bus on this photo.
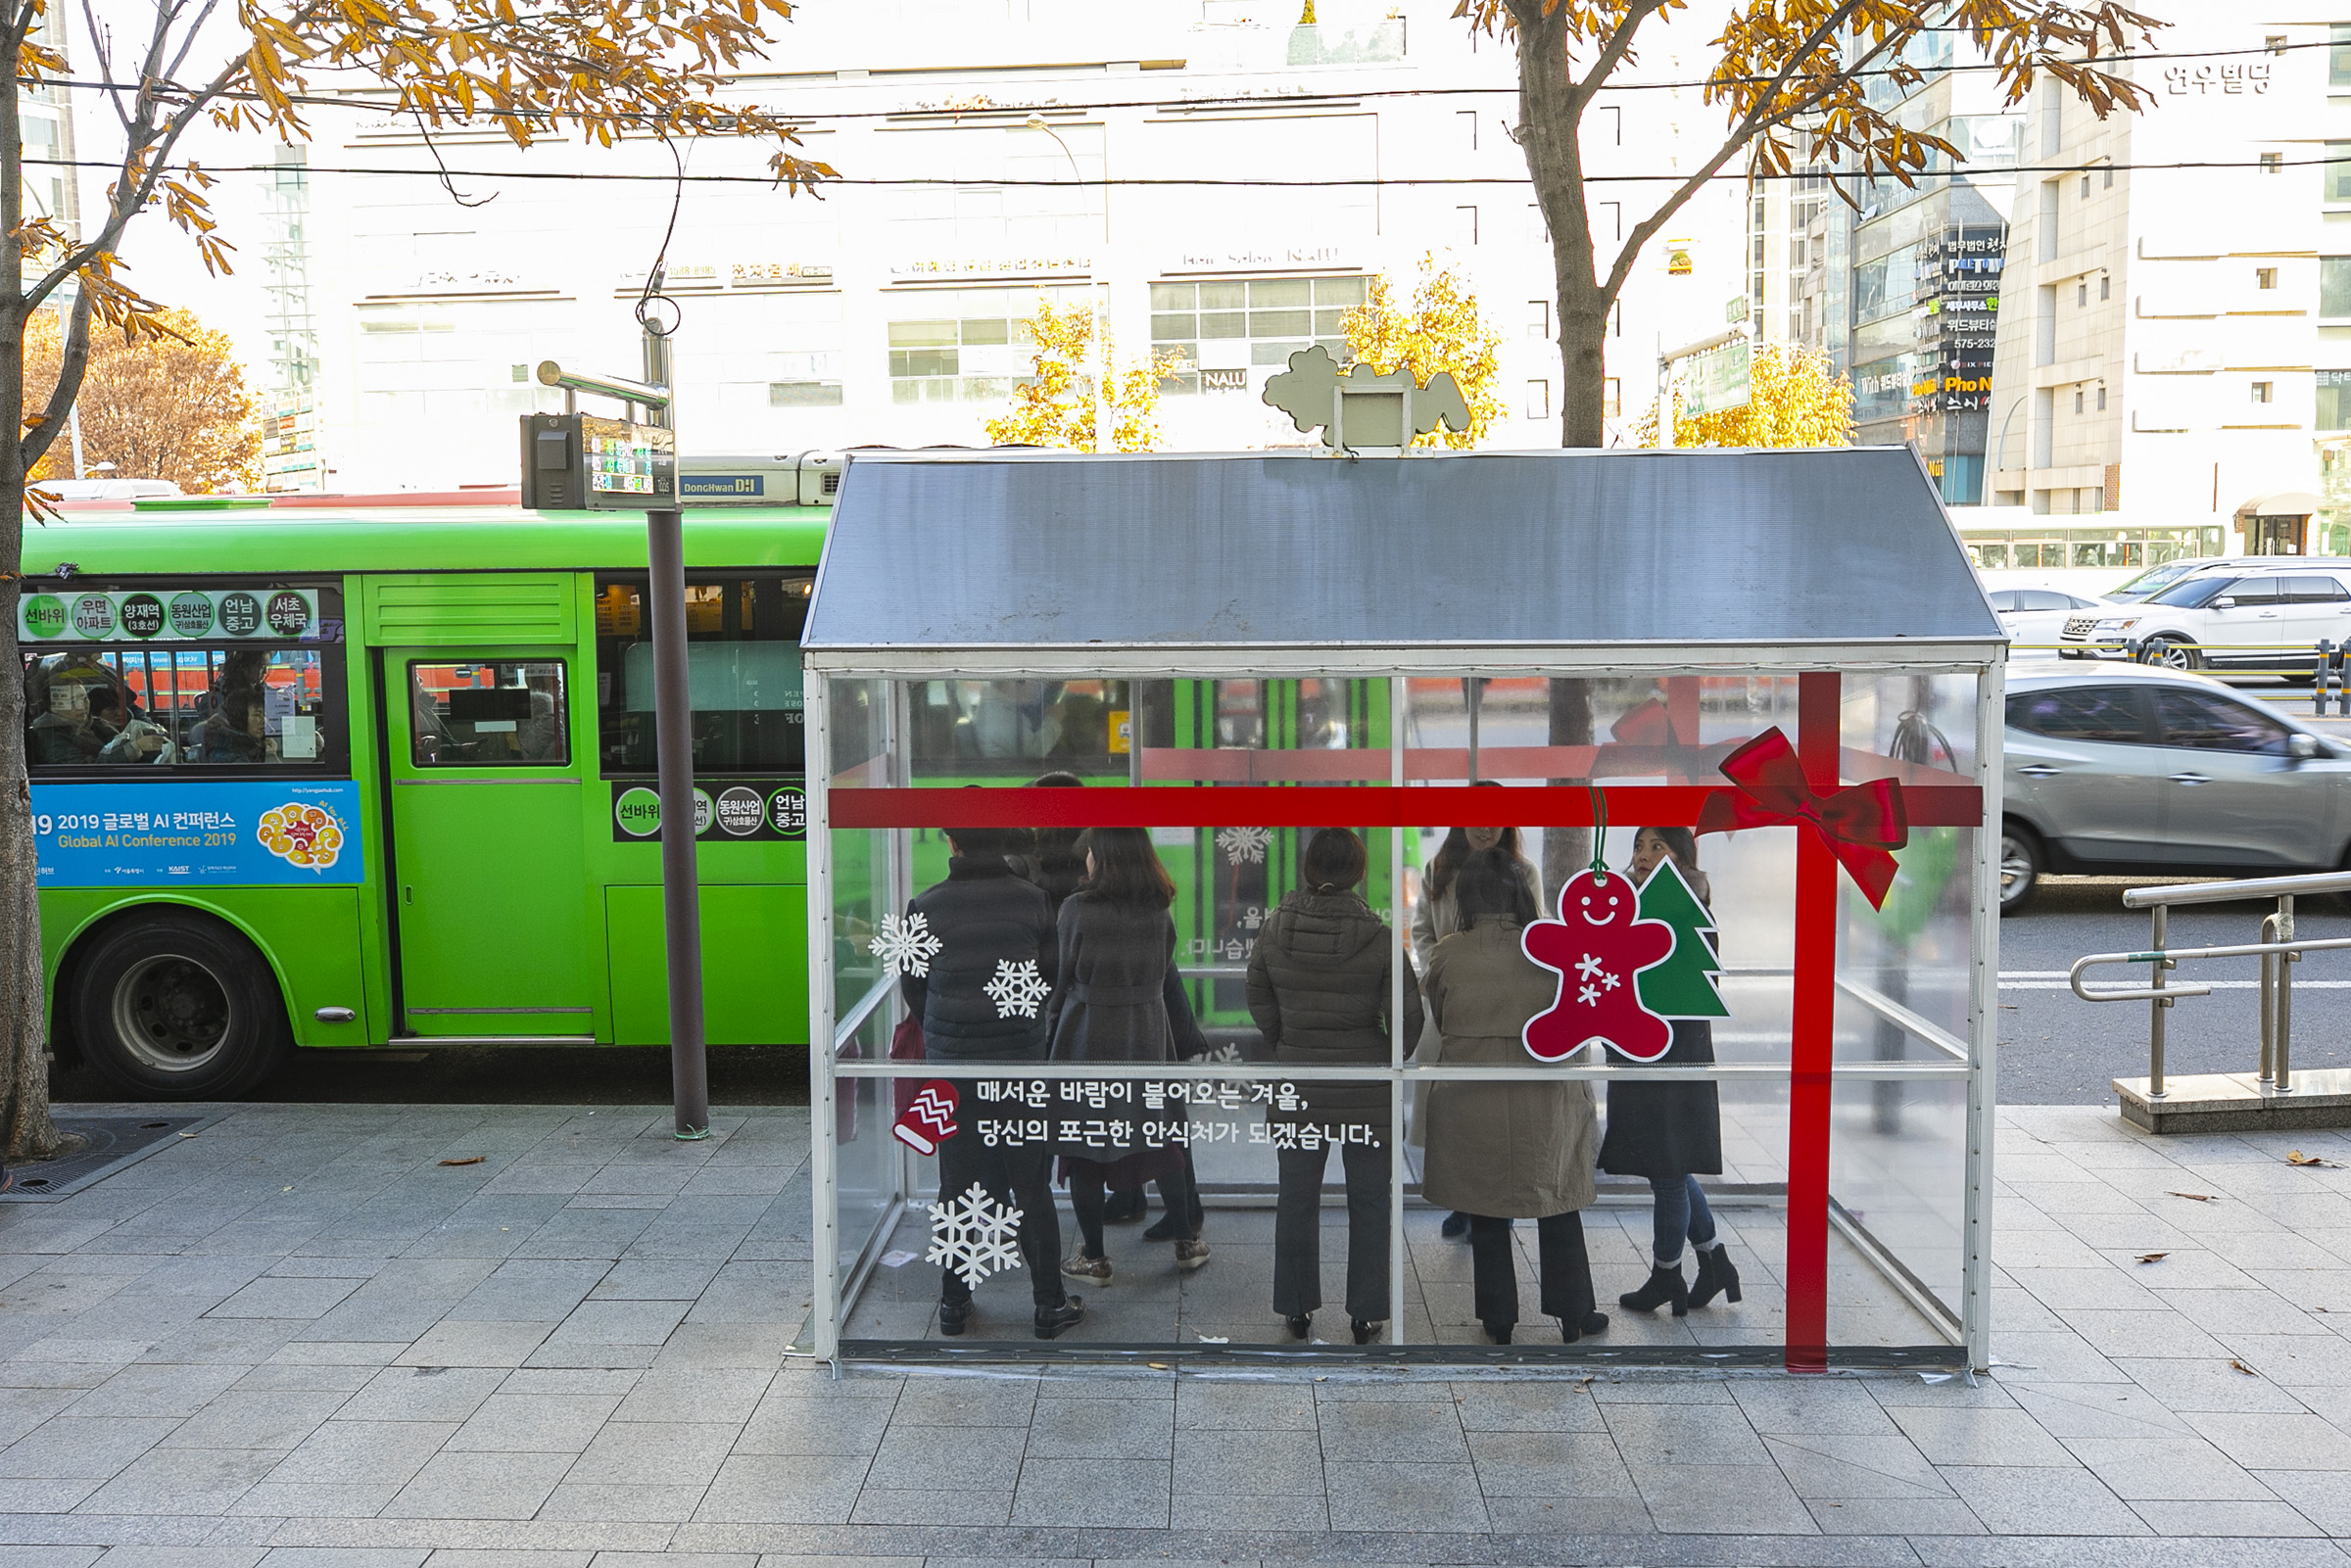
<point>357,775</point>
<point>353,774</point>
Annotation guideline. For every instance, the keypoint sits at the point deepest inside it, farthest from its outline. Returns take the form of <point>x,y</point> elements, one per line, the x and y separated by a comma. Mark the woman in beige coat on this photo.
<point>1500,1152</point>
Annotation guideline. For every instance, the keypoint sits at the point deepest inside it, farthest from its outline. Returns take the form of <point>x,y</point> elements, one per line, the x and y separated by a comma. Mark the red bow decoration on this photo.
<point>1862,824</point>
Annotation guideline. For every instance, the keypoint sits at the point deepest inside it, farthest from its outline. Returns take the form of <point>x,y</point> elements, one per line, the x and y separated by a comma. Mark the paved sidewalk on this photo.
<point>298,1339</point>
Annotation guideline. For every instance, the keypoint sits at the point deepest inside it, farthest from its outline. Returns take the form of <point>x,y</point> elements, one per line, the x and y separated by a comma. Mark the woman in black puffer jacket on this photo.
<point>1321,985</point>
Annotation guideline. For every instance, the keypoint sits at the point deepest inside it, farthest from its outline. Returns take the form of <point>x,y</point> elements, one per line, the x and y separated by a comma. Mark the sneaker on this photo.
<point>953,1316</point>
<point>1190,1254</point>
<point>1094,1270</point>
<point>1051,1320</point>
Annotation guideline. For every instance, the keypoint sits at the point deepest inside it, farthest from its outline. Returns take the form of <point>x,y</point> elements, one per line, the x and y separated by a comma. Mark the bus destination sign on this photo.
<point>171,615</point>
<point>745,810</point>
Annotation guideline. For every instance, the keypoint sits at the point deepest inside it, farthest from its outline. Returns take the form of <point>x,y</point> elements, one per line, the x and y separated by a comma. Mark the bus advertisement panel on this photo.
<point>253,832</point>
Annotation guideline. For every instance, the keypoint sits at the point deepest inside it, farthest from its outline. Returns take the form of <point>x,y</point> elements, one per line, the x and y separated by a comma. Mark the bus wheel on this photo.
<point>173,1005</point>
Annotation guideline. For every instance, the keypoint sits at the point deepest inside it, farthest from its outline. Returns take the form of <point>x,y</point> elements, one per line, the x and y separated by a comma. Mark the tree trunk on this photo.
<point>25,1128</point>
<point>1551,112</point>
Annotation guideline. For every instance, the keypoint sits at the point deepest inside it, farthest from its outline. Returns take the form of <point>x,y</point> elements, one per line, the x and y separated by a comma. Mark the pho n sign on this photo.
<point>1716,379</point>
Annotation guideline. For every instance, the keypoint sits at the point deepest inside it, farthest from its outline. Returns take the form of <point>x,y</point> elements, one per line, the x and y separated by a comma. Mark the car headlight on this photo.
<point>2122,623</point>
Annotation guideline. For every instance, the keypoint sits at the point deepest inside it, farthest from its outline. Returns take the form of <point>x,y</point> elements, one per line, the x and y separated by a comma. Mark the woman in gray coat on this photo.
<point>1500,1152</point>
<point>1321,985</point>
<point>1115,940</point>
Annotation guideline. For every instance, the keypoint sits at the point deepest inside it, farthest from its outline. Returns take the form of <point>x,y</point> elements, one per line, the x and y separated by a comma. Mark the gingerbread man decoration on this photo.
<point>1597,946</point>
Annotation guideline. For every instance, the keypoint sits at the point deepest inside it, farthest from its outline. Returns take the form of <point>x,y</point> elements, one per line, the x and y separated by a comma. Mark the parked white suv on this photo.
<point>2271,617</point>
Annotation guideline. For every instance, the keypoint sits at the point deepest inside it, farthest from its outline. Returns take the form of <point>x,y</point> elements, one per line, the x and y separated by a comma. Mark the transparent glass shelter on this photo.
<point>1784,651</point>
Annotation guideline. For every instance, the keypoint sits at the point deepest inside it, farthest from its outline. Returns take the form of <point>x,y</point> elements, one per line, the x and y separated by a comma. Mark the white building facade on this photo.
<point>2164,329</point>
<point>1259,172</point>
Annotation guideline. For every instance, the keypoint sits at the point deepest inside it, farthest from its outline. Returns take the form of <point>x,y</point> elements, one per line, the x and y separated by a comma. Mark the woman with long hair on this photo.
<point>1319,988</point>
<point>1435,916</point>
<point>1671,1133</point>
<point>1500,1152</point>
<point>1115,941</point>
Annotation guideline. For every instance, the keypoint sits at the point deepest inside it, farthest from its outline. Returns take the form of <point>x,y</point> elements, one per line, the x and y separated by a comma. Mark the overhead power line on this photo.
<point>1184,181</point>
<point>377,105</point>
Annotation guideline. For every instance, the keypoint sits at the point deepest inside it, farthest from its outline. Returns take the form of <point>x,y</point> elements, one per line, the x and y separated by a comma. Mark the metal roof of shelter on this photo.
<point>999,561</point>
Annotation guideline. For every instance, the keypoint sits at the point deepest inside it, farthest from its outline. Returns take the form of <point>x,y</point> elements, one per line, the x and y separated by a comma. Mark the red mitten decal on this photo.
<point>930,1121</point>
<point>1597,946</point>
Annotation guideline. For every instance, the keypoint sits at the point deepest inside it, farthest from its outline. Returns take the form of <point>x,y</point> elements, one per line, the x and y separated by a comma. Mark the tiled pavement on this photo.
<point>297,1338</point>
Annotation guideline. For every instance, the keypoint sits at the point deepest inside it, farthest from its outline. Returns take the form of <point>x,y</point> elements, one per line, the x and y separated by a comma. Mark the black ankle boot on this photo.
<point>954,1317</point>
<point>1499,1333</point>
<point>1715,1275</point>
<point>1300,1324</point>
<point>1590,1323</point>
<point>1664,1285</point>
<point>1051,1320</point>
<point>1364,1332</point>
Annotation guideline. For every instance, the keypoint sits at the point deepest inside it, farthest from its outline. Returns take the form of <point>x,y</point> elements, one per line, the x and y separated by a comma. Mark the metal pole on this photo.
<point>2269,999</point>
<point>673,744</point>
<point>2155,1008</point>
<point>2284,1043</point>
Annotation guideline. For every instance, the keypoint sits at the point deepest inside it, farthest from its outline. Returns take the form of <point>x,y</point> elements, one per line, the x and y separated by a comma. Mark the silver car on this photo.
<point>2123,769</point>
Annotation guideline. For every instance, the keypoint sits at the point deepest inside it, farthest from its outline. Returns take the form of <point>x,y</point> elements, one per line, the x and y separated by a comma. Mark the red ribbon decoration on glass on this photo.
<point>1862,824</point>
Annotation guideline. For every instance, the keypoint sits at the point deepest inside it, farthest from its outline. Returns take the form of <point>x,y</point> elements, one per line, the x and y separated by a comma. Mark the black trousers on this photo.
<point>1297,1230</point>
<point>1020,1177</point>
<point>1089,1197</point>
<point>1561,1262</point>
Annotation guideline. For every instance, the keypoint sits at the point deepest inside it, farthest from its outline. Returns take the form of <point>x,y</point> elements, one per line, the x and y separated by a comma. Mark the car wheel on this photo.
<point>172,1005</point>
<point>2171,653</point>
<point>2020,867</point>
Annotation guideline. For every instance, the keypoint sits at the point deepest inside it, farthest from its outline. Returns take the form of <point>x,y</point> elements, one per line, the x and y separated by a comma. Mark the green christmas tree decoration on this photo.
<point>1683,986</point>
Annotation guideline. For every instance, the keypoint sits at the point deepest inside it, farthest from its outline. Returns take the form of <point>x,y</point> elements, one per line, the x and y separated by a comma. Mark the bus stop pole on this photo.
<point>673,742</point>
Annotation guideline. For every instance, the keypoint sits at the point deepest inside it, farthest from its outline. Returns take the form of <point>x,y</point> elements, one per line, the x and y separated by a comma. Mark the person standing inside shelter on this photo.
<point>1321,985</point>
<point>1671,1133</point>
<point>1500,1152</point>
<point>1117,940</point>
<point>982,915</point>
<point>1435,916</point>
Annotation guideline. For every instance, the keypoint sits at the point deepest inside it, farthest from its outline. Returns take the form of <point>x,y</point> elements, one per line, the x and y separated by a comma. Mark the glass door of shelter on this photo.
<point>487,860</point>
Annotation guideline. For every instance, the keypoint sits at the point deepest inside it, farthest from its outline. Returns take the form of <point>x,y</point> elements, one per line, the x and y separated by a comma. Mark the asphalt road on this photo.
<point>2056,1049</point>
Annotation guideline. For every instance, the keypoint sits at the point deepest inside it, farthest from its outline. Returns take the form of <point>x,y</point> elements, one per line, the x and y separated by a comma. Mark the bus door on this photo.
<point>487,862</point>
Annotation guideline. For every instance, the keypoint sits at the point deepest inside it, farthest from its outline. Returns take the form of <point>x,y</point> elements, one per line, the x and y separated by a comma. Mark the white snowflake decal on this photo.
<point>907,946</point>
<point>1589,967</point>
<point>976,1236</point>
<point>1588,995</point>
<point>1018,989</point>
<point>1245,844</point>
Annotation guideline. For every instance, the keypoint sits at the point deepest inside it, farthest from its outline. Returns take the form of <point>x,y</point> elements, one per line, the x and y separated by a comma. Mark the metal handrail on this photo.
<point>2279,951</point>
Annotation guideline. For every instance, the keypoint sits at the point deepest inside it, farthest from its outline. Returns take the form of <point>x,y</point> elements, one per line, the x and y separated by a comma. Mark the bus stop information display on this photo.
<point>169,615</point>
<point>239,831</point>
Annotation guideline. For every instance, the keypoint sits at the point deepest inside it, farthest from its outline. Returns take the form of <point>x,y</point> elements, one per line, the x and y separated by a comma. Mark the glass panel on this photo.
<point>1175,296</point>
<point>501,713</point>
<point>742,673</point>
<point>1279,292</point>
<point>985,332</point>
<point>168,707</point>
<point>1223,296</point>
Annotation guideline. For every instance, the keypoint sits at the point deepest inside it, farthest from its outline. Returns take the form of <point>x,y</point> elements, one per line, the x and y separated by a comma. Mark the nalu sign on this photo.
<point>1363,407</point>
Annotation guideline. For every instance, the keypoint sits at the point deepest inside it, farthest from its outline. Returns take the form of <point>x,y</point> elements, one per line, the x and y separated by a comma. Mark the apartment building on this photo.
<point>974,135</point>
<point>2161,337</point>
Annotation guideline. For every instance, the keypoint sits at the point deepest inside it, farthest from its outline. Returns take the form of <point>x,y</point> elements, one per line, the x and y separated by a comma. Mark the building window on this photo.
<point>2265,277</point>
<point>1466,119</point>
<point>2105,286</point>
<point>2338,171</point>
<point>2044,326</point>
<point>1538,320</point>
<point>2102,398</point>
<point>803,395</point>
<point>2109,176</point>
<point>2085,187</point>
<point>2334,286</point>
<point>1611,397</point>
<point>2273,163</point>
<point>2338,56</point>
<point>1225,328</point>
<point>518,373</point>
<point>2334,399</point>
<point>2076,400</point>
<point>2261,391</point>
<point>2047,228</point>
<point>1464,226</point>
<point>1538,399</point>
<point>2082,292</point>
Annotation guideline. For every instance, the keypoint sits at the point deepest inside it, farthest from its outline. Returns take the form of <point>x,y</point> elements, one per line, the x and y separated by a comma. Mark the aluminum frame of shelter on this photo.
<point>1810,1074</point>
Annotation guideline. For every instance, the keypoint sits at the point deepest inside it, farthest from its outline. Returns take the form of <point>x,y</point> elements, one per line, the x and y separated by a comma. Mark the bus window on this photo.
<point>506,713</point>
<point>742,672</point>
<point>146,706</point>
